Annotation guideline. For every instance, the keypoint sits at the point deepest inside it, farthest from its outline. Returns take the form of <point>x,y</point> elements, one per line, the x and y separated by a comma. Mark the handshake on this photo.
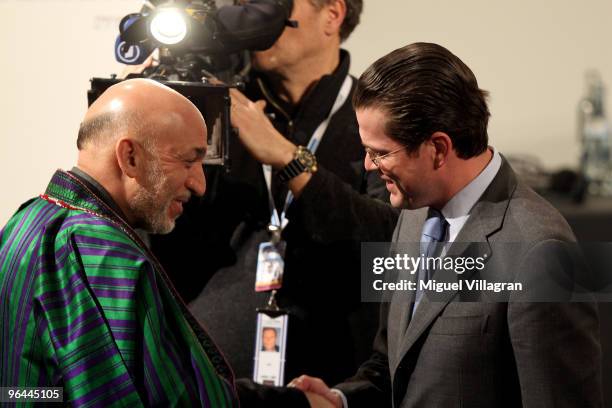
<point>319,395</point>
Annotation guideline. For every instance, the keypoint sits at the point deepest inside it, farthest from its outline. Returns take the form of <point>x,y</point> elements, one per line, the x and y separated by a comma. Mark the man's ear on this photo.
<point>443,145</point>
<point>335,11</point>
<point>126,151</point>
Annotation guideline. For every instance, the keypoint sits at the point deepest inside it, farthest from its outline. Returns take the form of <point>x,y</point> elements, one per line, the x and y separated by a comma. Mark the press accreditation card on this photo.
<point>270,266</point>
<point>270,345</point>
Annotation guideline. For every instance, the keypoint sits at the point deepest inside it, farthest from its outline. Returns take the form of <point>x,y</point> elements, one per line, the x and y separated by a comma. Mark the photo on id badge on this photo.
<point>269,339</point>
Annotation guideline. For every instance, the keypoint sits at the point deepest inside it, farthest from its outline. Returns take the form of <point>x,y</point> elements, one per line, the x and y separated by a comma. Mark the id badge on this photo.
<point>270,345</point>
<point>270,266</point>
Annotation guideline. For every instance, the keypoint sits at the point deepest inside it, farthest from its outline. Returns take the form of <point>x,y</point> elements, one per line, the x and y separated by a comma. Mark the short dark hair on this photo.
<point>351,20</point>
<point>92,128</point>
<point>108,124</point>
<point>424,88</point>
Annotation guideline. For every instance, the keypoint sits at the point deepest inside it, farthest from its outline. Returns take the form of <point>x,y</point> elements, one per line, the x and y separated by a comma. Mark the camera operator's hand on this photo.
<point>312,387</point>
<point>257,133</point>
<point>151,61</point>
<point>262,140</point>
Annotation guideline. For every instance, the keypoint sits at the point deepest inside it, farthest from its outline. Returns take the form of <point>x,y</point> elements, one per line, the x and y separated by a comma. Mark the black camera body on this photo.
<point>197,42</point>
<point>213,101</point>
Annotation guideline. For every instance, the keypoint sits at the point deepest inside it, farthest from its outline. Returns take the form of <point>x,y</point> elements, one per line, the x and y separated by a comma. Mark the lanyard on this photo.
<point>282,221</point>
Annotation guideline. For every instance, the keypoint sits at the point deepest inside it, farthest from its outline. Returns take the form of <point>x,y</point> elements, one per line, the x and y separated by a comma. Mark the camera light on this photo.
<point>169,26</point>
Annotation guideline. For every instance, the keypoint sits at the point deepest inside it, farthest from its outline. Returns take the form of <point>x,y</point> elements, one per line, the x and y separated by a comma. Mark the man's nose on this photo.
<point>369,164</point>
<point>196,182</point>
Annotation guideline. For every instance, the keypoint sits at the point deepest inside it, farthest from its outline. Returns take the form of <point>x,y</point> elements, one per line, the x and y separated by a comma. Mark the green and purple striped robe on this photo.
<point>85,306</point>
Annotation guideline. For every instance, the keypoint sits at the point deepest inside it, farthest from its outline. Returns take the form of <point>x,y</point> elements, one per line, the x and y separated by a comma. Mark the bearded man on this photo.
<point>84,305</point>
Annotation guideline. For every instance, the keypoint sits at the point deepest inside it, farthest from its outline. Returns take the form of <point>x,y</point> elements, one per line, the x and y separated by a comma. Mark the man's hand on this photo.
<point>151,61</point>
<point>317,392</point>
<point>257,133</point>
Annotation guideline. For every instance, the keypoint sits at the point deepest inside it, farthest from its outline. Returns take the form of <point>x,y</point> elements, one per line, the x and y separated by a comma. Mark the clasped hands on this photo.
<point>319,395</point>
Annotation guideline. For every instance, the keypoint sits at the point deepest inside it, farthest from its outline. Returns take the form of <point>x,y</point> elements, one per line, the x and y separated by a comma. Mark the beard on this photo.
<point>151,202</point>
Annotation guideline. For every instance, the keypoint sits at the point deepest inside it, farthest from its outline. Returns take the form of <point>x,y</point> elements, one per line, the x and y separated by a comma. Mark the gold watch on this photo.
<point>303,161</point>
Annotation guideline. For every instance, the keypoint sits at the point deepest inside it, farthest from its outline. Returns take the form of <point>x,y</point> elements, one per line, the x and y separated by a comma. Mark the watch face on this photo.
<point>306,158</point>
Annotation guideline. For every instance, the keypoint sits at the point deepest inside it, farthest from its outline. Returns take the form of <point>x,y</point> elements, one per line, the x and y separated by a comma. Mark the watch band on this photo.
<point>291,170</point>
<point>303,161</point>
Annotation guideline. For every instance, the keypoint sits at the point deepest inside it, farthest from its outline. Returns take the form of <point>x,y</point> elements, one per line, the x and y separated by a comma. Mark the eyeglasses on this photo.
<point>376,157</point>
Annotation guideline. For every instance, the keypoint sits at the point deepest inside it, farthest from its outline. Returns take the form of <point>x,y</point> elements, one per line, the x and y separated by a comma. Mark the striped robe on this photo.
<point>85,306</point>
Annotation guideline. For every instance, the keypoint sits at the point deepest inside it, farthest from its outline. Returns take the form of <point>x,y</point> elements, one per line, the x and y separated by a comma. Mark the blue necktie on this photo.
<point>434,231</point>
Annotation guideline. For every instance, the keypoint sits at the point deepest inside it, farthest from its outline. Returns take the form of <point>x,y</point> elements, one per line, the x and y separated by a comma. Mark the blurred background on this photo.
<point>531,56</point>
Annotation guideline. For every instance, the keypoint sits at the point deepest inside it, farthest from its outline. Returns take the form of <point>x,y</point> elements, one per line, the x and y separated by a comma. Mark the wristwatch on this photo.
<point>303,161</point>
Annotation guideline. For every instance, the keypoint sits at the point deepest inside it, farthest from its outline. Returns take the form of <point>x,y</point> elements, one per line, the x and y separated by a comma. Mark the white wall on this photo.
<point>50,49</point>
<point>531,56</point>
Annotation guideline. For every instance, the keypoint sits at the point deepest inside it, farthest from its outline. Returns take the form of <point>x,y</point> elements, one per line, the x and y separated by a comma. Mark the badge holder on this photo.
<point>270,263</point>
<point>271,344</point>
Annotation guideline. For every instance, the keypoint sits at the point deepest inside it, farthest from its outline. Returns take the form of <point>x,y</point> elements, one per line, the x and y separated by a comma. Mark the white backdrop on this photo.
<point>531,56</point>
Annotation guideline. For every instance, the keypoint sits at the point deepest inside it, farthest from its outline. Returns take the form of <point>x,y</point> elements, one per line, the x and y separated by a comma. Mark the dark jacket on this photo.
<point>215,242</point>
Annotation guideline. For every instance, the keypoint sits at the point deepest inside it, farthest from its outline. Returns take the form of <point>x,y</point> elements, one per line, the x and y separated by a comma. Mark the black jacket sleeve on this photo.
<point>371,385</point>
<point>330,210</point>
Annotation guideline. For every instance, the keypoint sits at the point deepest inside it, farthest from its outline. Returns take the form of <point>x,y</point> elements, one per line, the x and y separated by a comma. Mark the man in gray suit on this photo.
<point>423,121</point>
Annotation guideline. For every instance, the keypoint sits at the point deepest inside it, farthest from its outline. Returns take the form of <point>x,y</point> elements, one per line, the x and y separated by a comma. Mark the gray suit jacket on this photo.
<point>487,354</point>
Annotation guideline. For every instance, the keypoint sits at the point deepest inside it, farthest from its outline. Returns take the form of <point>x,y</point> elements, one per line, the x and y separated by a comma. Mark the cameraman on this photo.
<point>215,244</point>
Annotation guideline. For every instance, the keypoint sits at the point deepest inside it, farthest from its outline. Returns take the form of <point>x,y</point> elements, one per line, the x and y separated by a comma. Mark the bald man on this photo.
<point>83,303</point>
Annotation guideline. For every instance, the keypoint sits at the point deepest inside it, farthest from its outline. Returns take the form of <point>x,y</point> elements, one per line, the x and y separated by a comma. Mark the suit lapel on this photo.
<point>409,235</point>
<point>486,218</point>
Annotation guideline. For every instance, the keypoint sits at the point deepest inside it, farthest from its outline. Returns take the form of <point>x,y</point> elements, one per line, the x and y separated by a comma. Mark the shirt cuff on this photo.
<point>342,397</point>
